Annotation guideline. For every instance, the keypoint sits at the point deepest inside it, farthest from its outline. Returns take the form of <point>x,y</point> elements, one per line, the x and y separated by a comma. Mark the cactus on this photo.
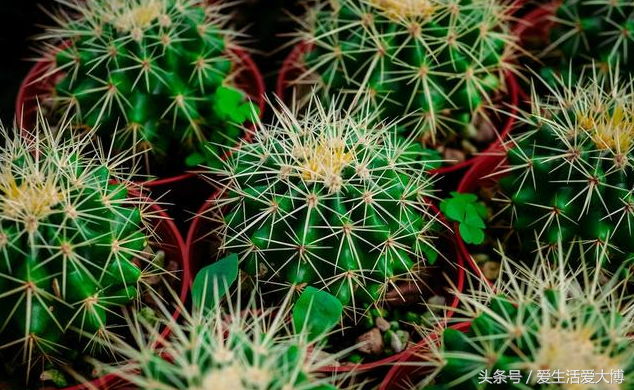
<point>72,244</point>
<point>540,325</point>
<point>329,200</point>
<point>159,69</point>
<point>587,32</point>
<point>439,63</point>
<point>570,175</point>
<point>231,347</point>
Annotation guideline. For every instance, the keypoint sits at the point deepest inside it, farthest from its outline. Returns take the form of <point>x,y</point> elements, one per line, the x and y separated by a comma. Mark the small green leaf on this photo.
<point>472,218</point>
<point>317,312</point>
<point>213,282</point>
<point>470,234</point>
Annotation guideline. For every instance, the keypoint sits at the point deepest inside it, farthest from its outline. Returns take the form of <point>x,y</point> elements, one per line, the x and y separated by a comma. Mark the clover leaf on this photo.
<point>469,213</point>
<point>229,105</point>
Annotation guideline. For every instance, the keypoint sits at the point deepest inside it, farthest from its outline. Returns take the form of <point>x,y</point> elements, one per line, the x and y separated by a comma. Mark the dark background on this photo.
<point>22,19</point>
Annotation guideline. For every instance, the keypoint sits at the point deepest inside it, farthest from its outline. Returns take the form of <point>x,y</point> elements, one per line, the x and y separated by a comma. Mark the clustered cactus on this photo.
<point>589,33</point>
<point>233,347</point>
<point>569,176</point>
<point>327,200</point>
<point>438,63</point>
<point>73,249</point>
<point>540,325</point>
<point>159,71</point>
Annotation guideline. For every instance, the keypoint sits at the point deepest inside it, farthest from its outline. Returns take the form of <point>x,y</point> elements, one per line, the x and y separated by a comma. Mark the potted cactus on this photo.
<point>79,243</point>
<point>222,343</point>
<point>568,177</point>
<point>333,201</point>
<point>539,327</point>
<point>572,35</point>
<point>161,78</point>
<point>442,64</point>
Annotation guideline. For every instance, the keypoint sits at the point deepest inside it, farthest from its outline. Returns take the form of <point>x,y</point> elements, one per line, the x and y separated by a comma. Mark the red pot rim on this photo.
<point>292,64</point>
<point>109,380</point>
<point>193,234</point>
<point>395,372</point>
<point>38,83</point>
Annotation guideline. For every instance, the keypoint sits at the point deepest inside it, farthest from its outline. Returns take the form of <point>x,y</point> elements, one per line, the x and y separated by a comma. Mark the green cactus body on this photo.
<point>242,348</point>
<point>438,63</point>
<point>586,32</point>
<point>540,330</point>
<point>329,201</point>
<point>570,176</point>
<point>158,70</point>
<point>70,248</point>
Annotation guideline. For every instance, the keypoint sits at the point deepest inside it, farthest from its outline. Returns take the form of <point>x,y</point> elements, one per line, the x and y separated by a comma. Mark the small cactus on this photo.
<point>439,63</point>
<point>159,69</point>
<point>570,175</point>
<point>72,244</point>
<point>231,347</point>
<point>562,325</point>
<point>329,200</point>
<point>587,32</point>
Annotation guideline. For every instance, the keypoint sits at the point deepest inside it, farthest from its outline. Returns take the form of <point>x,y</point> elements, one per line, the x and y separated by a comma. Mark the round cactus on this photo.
<point>589,31</point>
<point>327,200</point>
<point>237,347</point>
<point>439,63</point>
<point>570,176</point>
<point>540,328</point>
<point>71,246</point>
<point>159,70</point>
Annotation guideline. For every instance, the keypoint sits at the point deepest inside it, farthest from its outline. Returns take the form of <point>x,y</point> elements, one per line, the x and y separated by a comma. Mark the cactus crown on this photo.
<point>565,319</point>
<point>160,69</point>
<point>71,247</point>
<point>437,62</point>
<point>570,176</point>
<point>233,347</point>
<point>329,200</point>
<point>589,31</point>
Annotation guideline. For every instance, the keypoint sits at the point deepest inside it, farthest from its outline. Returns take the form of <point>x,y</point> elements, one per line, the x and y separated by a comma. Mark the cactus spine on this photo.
<point>329,200</point>
<point>438,63</point>
<point>72,244</point>
<point>159,69</point>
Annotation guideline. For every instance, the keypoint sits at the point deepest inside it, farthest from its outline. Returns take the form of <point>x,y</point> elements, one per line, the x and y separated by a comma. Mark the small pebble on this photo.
<point>371,342</point>
<point>382,324</point>
<point>491,270</point>
<point>453,156</point>
<point>486,131</point>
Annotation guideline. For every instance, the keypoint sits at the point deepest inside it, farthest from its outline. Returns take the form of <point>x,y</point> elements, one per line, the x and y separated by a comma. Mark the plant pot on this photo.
<point>173,245</point>
<point>40,82</point>
<point>202,246</point>
<point>405,373</point>
<point>293,67</point>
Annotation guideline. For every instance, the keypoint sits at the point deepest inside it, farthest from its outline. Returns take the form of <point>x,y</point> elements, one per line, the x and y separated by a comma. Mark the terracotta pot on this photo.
<point>293,67</point>
<point>172,243</point>
<point>405,373</point>
<point>202,246</point>
<point>40,82</point>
